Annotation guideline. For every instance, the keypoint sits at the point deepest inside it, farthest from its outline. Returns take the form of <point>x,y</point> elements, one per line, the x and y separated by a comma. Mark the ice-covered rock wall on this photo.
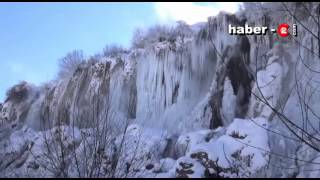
<point>193,105</point>
<point>159,86</point>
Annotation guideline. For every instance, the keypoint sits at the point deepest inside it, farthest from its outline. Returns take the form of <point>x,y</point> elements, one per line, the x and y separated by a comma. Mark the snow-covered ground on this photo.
<point>148,112</point>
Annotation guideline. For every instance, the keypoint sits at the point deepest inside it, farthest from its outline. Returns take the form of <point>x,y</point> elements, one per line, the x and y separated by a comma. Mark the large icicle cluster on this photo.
<point>193,103</point>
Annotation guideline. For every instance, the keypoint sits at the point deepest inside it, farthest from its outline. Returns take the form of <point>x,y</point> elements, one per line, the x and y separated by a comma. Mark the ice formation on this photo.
<point>192,105</point>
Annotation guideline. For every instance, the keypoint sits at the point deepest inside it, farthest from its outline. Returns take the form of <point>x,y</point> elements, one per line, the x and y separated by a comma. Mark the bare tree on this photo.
<point>113,50</point>
<point>85,146</point>
<point>70,62</point>
<point>305,85</point>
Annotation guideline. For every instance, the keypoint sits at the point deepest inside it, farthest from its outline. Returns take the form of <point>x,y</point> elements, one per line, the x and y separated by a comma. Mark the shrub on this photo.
<point>113,50</point>
<point>18,92</point>
<point>160,33</point>
<point>69,63</point>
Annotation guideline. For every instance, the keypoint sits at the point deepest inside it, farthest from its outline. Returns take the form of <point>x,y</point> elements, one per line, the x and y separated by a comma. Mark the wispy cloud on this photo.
<point>192,12</point>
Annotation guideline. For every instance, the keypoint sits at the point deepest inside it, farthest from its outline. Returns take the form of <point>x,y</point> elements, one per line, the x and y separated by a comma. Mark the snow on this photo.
<point>228,102</point>
<point>187,167</point>
<point>242,136</point>
<point>167,164</point>
<point>140,147</point>
<point>267,87</point>
<point>154,101</point>
<point>255,140</point>
<point>188,141</point>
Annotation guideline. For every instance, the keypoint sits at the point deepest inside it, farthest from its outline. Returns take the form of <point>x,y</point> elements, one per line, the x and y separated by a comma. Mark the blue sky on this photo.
<point>33,36</point>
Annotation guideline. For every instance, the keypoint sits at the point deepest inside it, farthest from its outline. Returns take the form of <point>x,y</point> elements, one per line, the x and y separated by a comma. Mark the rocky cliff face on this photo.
<point>195,105</point>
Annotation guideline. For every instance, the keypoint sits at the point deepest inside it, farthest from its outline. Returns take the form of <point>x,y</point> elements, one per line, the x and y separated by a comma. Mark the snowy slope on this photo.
<point>194,102</point>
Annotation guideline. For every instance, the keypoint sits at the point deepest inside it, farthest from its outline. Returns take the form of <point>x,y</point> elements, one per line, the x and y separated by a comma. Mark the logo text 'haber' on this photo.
<point>282,30</point>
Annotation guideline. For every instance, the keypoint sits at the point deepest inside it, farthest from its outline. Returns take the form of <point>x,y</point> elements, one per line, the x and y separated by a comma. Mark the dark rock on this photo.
<point>149,166</point>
